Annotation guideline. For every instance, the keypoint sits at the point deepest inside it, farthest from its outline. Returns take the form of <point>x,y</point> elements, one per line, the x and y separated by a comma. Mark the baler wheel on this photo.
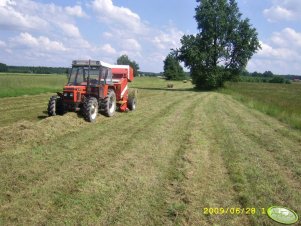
<point>55,106</point>
<point>132,99</point>
<point>132,103</point>
<point>108,104</point>
<point>90,109</point>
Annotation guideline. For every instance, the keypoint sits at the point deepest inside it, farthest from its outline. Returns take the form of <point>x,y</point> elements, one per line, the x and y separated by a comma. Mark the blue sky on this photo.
<point>53,32</point>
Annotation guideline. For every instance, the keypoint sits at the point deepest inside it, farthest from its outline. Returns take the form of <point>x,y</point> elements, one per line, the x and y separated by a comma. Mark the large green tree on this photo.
<point>125,60</point>
<point>172,68</point>
<point>222,48</point>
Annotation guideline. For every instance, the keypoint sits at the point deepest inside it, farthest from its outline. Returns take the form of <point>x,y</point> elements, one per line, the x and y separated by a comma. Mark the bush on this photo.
<point>208,79</point>
<point>277,79</point>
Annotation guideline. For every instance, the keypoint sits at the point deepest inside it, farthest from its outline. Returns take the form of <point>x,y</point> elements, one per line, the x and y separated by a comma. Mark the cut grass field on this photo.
<point>181,151</point>
<point>278,100</point>
<point>13,85</point>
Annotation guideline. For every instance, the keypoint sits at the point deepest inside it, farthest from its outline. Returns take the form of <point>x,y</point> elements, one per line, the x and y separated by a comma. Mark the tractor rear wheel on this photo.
<point>108,104</point>
<point>55,106</point>
<point>132,103</point>
<point>90,109</point>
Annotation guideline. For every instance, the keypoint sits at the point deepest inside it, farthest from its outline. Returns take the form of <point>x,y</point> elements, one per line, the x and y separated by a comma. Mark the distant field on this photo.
<point>180,152</point>
<point>13,85</point>
<point>282,101</point>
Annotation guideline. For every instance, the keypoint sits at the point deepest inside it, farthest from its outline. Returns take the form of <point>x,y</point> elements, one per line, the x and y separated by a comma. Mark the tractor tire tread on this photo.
<point>105,105</point>
<point>55,106</point>
<point>87,108</point>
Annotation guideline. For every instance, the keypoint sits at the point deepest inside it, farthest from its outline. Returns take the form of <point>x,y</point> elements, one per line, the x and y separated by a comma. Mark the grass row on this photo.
<point>281,101</point>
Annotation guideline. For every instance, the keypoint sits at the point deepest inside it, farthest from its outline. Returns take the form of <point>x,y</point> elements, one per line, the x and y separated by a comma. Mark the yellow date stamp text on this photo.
<point>233,211</point>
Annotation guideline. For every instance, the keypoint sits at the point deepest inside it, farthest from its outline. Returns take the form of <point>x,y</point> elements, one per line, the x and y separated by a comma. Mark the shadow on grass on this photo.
<point>41,117</point>
<point>173,90</point>
<point>45,115</point>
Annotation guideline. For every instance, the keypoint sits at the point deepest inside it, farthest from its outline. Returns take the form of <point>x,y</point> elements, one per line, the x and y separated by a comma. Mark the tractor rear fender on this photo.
<point>103,91</point>
<point>106,90</point>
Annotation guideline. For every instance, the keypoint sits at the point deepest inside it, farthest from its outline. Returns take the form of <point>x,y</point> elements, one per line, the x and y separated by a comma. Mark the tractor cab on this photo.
<point>91,73</point>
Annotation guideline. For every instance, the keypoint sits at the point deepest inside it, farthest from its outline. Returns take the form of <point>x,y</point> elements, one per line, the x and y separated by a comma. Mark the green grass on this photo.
<point>278,100</point>
<point>181,151</point>
<point>13,85</point>
<point>18,84</point>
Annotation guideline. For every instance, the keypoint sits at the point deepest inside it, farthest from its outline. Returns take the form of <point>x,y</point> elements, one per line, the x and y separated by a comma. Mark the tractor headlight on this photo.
<point>71,94</point>
<point>65,94</point>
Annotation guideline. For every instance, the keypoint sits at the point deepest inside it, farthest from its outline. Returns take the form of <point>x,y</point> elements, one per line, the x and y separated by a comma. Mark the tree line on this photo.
<point>32,69</point>
<point>266,77</point>
<point>122,60</point>
<point>268,74</point>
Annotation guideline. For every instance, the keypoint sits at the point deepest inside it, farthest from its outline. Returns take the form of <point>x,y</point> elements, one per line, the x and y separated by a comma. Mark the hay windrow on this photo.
<point>32,133</point>
<point>170,85</point>
<point>133,93</point>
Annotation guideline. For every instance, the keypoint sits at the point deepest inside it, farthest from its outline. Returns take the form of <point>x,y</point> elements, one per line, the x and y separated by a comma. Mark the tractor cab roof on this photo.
<point>94,63</point>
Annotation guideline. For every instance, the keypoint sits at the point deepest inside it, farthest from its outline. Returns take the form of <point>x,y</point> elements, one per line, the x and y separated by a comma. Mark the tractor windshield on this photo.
<point>98,75</point>
<point>79,75</point>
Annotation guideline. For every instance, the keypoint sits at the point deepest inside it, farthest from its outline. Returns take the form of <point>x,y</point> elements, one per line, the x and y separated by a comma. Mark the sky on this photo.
<point>53,32</point>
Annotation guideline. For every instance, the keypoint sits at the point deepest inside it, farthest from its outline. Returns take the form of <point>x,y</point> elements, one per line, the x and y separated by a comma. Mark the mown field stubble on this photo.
<point>181,151</point>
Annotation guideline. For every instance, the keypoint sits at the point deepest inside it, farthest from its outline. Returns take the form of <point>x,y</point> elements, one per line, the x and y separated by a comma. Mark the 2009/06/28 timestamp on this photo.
<point>234,211</point>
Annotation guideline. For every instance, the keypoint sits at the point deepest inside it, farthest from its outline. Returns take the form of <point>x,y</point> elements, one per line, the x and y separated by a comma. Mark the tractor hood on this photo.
<point>74,88</point>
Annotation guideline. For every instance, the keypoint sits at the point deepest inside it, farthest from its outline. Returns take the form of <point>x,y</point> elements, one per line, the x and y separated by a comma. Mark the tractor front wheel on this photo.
<point>90,109</point>
<point>108,105</point>
<point>55,106</point>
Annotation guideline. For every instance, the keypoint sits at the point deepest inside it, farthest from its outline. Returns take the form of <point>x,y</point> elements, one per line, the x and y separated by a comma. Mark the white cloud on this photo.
<point>11,18</point>
<point>40,43</point>
<point>2,44</point>
<point>116,16</point>
<point>285,45</point>
<point>283,53</point>
<point>70,30</point>
<point>277,13</point>
<point>280,54</point>
<point>168,39</point>
<point>107,48</point>
<point>75,11</point>
<point>287,10</point>
<point>132,44</point>
<point>288,38</point>
<point>107,35</point>
<point>4,3</point>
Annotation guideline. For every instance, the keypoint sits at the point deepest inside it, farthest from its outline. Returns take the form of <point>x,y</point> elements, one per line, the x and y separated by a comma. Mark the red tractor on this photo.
<point>95,86</point>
